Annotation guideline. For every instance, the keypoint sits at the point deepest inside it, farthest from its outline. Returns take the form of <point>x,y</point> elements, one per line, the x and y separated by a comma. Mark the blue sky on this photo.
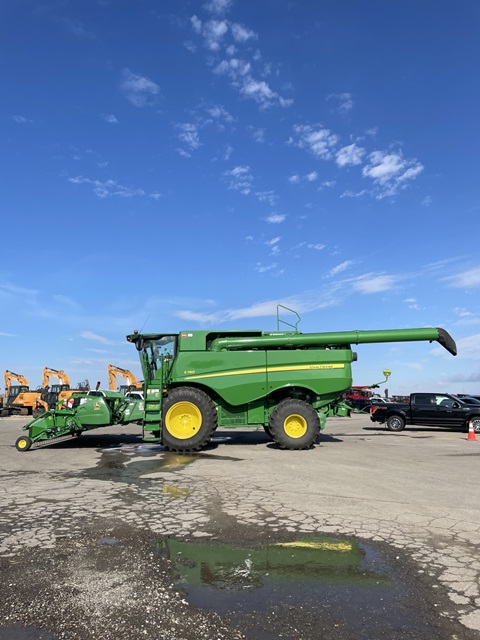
<point>172,165</point>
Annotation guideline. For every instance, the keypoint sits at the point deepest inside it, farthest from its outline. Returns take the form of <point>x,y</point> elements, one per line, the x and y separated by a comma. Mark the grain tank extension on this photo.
<point>285,381</point>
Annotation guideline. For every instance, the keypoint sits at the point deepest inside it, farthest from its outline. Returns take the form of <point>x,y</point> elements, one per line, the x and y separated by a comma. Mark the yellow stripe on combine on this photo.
<point>300,367</point>
<point>324,546</point>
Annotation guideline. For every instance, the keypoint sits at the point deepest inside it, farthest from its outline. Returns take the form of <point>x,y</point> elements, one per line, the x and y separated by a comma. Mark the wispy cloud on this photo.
<point>343,102</point>
<point>95,337</point>
<point>189,134</point>
<point>276,218</point>
<point>343,266</point>
<point>108,188</point>
<point>21,119</point>
<point>469,279</point>
<point>139,90</point>
<point>316,139</point>
<point>110,118</point>
<point>240,179</point>
<point>222,39</point>
<point>372,283</point>
<point>7,335</point>
<point>218,6</point>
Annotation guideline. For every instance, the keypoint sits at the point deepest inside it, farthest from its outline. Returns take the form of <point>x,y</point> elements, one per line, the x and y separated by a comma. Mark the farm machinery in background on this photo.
<point>359,396</point>
<point>195,381</point>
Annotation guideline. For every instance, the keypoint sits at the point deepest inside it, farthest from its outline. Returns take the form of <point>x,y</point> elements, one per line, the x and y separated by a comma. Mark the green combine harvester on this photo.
<point>194,381</point>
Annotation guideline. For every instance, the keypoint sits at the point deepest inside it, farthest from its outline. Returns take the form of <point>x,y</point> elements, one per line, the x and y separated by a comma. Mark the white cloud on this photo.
<point>350,155</point>
<point>267,196</point>
<point>469,279</point>
<point>427,201</point>
<point>259,135</point>
<point>94,337</point>
<point>189,135</point>
<point>312,176</point>
<point>295,179</point>
<point>371,283</point>
<point>241,33</point>
<point>317,247</point>
<point>240,179</point>
<point>390,171</point>
<point>110,118</point>
<point>276,218</point>
<point>273,241</point>
<point>218,6</point>
<point>21,119</point>
<point>7,335</point>
<point>341,267</point>
<point>108,188</point>
<point>344,102</point>
<point>316,139</point>
<point>139,90</point>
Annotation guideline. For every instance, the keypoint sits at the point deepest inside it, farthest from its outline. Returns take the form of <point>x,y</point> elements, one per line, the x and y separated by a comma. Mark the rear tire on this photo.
<point>294,424</point>
<point>476,424</point>
<point>395,423</point>
<point>189,419</point>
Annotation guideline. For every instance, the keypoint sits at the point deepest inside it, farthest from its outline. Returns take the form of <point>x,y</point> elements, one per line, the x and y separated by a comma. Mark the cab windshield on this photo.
<point>159,354</point>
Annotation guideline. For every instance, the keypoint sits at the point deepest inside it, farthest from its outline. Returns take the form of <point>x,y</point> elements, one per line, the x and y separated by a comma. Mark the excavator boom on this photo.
<point>129,377</point>
<point>54,373</point>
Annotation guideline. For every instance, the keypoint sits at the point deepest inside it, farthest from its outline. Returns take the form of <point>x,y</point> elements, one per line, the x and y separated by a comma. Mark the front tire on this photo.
<point>395,423</point>
<point>23,443</point>
<point>189,419</point>
<point>294,424</point>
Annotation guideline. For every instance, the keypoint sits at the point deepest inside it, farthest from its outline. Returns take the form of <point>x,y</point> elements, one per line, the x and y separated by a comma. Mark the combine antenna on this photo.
<point>141,330</point>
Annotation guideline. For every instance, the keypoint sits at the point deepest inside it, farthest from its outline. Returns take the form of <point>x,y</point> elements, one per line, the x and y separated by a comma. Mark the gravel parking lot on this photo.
<point>80,522</point>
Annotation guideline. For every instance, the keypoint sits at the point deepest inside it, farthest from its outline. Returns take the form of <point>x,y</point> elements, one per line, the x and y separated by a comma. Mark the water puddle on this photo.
<point>132,464</point>
<point>352,585</point>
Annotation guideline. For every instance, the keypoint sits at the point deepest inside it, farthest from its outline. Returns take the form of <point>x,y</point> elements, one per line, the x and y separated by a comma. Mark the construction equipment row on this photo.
<point>19,399</point>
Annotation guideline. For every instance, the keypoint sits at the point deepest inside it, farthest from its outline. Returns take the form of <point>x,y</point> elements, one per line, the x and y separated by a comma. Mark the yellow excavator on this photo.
<point>18,399</point>
<point>59,392</point>
<point>129,377</point>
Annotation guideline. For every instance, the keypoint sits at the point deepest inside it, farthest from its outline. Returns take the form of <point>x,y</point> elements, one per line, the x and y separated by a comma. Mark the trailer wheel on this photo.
<point>23,443</point>
<point>294,424</point>
<point>189,419</point>
<point>395,423</point>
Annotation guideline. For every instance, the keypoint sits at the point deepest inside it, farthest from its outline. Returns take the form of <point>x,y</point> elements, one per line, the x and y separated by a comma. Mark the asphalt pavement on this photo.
<point>82,520</point>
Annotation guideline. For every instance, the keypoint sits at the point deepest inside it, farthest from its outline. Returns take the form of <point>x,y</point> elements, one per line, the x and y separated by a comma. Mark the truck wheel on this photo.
<point>395,423</point>
<point>476,424</point>
<point>189,419</point>
<point>23,443</point>
<point>294,424</point>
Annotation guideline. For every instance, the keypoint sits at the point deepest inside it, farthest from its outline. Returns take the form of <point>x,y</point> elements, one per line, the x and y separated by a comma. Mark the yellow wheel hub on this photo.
<point>295,426</point>
<point>22,444</point>
<point>183,420</point>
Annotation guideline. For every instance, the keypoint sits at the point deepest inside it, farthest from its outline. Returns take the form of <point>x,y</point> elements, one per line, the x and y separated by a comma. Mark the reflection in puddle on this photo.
<point>316,576</point>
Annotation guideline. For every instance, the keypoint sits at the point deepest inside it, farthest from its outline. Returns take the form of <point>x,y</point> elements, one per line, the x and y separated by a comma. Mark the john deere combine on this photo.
<point>286,381</point>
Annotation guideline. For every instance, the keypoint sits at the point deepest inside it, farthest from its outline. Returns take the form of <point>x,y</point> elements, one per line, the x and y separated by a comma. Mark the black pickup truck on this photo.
<point>432,409</point>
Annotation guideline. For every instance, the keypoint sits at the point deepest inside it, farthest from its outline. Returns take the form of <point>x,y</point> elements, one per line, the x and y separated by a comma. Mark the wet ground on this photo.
<point>106,537</point>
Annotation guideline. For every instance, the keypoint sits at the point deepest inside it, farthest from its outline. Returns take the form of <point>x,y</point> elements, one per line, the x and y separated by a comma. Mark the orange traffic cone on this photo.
<point>471,431</point>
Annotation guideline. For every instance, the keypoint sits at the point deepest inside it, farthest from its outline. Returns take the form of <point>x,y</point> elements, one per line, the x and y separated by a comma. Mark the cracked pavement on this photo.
<point>410,491</point>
